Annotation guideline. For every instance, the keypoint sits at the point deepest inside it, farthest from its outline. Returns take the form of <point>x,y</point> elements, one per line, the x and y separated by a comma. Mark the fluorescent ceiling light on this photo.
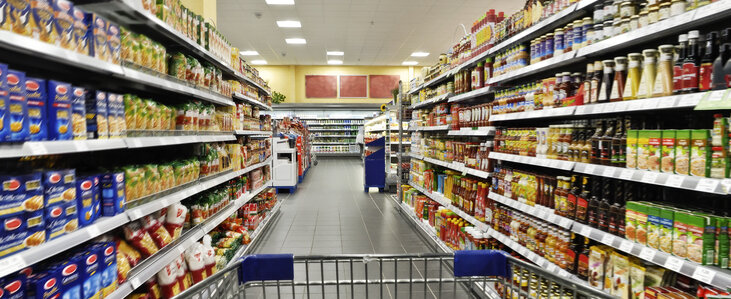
<point>296,41</point>
<point>335,53</point>
<point>334,61</point>
<point>260,61</point>
<point>289,24</point>
<point>280,2</point>
<point>419,54</point>
<point>409,63</point>
<point>249,53</point>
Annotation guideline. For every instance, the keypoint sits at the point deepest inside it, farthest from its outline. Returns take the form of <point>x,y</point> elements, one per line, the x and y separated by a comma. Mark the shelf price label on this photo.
<point>703,274</point>
<point>607,239</point>
<point>626,174</point>
<point>626,246</point>
<point>647,254</point>
<point>649,177</point>
<point>673,263</point>
<point>565,222</point>
<point>674,180</point>
<point>589,169</point>
<point>706,185</point>
<point>11,264</point>
<point>585,230</point>
<point>608,172</point>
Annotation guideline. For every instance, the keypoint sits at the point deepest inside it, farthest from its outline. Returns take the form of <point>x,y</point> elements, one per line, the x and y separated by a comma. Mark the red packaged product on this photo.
<point>140,239</point>
<point>158,233</point>
<point>167,278</point>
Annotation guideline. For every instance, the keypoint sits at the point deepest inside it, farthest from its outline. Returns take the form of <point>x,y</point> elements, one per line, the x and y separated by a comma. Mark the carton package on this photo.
<point>682,152</point>
<point>59,111</point>
<point>35,91</point>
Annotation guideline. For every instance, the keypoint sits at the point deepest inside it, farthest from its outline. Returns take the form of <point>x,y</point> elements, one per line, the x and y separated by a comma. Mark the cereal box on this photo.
<point>18,107</point>
<point>35,91</point>
<point>90,276</point>
<point>69,275</point>
<point>667,162</point>
<point>59,111</point>
<point>680,234</point>
<point>113,199</point>
<point>654,154</point>
<point>4,118</point>
<point>700,153</point>
<point>78,113</point>
<point>82,33</point>
<point>63,11</point>
<point>42,24</point>
<point>107,268</point>
<point>682,152</point>
<point>631,149</point>
<point>85,200</point>
<point>114,43</point>
<point>97,126</point>
<point>18,14</point>
<point>98,28</point>
<point>14,287</point>
<point>44,285</point>
<point>701,234</point>
<point>667,217</point>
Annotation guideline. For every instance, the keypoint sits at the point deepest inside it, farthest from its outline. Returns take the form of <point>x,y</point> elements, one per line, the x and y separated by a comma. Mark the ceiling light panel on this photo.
<point>280,2</point>
<point>334,61</point>
<point>419,54</point>
<point>289,24</point>
<point>335,53</point>
<point>249,53</point>
<point>296,41</point>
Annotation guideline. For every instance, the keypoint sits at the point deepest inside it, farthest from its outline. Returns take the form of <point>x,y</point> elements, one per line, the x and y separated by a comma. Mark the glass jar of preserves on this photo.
<point>624,26</point>
<point>598,33</point>
<point>677,7</point>
<point>664,11</point>
<point>644,19</point>
<point>627,9</point>
<point>634,22</point>
<point>653,15</point>
<point>608,29</point>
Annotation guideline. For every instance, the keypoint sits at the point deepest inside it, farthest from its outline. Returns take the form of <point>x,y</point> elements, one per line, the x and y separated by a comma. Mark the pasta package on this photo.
<point>133,256</point>
<point>140,239</point>
<point>167,278</point>
<point>78,113</point>
<point>123,267</point>
<point>175,218</point>
<point>157,232</point>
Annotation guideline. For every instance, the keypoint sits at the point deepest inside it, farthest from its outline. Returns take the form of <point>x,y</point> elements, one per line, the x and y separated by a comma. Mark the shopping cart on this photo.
<point>464,274</point>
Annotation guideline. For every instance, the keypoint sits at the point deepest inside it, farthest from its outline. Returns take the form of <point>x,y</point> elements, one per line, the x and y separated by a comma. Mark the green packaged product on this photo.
<point>680,234</point>
<point>722,242</point>
<point>177,66</point>
<point>667,162</point>
<point>653,226</point>
<point>700,153</point>
<point>632,136</point>
<point>701,238</point>
<point>667,216</point>
<point>682,152</point>
<point>630,222</point>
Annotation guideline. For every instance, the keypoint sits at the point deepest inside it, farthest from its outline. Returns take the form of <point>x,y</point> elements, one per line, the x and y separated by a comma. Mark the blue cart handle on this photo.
<point>480,263</point>
<point>260,267</point>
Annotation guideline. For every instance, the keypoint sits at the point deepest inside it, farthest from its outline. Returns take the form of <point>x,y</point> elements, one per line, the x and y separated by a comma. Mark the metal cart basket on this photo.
<point>464,274</point>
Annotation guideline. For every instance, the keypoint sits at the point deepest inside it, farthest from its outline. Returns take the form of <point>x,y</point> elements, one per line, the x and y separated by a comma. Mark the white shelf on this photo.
<point>456,166</point>
<point>326,130</point>
<point>333,124</point>
<point>431,101</point>
<point>252,101</point>
<point>156,80</point>
<point>554,62</point>
<point>544,113</point>
<point>336,136</point>
<point>338,154</point>
<point>430,128</point>
<point>252,132</point>
<point>474,131</point>
<point>39,148</point>
<point>331,143</point>
<point>550,163</point>
<point>470,95</point>
<point>245,249</point>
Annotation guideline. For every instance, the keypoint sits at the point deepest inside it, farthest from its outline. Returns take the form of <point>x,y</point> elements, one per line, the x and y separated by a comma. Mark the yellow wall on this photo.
<point>206,8</point>
<point>290,79</point>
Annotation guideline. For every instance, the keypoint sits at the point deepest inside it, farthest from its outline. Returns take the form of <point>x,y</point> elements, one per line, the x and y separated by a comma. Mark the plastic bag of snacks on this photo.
<point>157,232</point>
<point>140,239</point>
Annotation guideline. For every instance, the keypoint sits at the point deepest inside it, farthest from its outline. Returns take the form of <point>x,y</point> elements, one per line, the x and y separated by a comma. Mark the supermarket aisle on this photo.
<point>330,214</point>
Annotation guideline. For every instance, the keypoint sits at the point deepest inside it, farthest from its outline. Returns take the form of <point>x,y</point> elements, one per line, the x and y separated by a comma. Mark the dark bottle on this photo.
<point>605,91</point>
<point>620,210</point>
<point>692,62</point>
<point>605,144</point>
<point>719,81</point>
<point>582,201</point>
<point>681,49</point>
<point>709,55</point>
<point>602,214</point>
<point>614,208</point>
<point>596,82</point>
<point>727,68</point>
<point>582,265</point>
<point>595,144</point>
<point>593,206</point>
<point>618,149</point>
<point>572,196</point>
<point>572,252</point>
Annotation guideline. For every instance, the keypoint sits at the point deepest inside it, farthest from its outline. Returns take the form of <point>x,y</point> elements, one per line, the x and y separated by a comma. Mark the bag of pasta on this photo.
<point>153,112</point>
<point>152,178</point>
<point>175,218</point>
<point>131,255</point>
<point>177,66</point>
<point>140,239</point>
<point>142,114</point>
<point>157,231</point>
<point>128,44</point>
<point>167,177</point>
<point>130,111</point>
<point>133,186</point>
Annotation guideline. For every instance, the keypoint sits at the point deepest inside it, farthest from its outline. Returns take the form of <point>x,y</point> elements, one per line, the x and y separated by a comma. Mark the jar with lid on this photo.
<point>598,13</point>
<point>568,37</point>
<point>663,85</point>
<point>608,13</point>
<point>549,46</point>
<point>598,33</point>
<point>691,5</point>
<point>634,22</point>
<point>624,26</point>
<point>586,25</point>
<point>653,15</point>
<point>608,29</point>
<point>677,7</point>
<point>578,34</point>
<point>558,40</point>
<point>633,76</point>
<point>607,80</point>
<point>615,8</point>
<point>627,9</point>
<point>620,77</point>
<point>533,53</point>
<point>644,19</point>
<point>647,80</point>
<point>664,11</point>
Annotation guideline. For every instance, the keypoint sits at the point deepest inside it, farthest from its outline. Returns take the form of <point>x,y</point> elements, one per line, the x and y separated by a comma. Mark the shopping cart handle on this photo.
<point>260,267</point>
<point>480,263</point>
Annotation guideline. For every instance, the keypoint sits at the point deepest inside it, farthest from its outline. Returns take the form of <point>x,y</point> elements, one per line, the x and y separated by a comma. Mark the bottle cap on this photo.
<point>693,34</point>
<point>682,38</point>
<point>712,35</point>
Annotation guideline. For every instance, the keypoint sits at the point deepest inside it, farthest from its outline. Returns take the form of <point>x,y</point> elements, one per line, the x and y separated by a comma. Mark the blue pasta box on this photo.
<point>68,273</point>
<point>14,287</point>
<point>4,118</point>
<point>18,14</point>
<point>59,111</point>
<point>56,220</point>
<point>12,195</point>
<point>107,267</point>
<point>82,32</point>
<point>114,43</point>
<point>44,285</point>
<point>42,23</point>
<point>33,203</point>
<point>113,199</point>
<point>78,113</point>
<point>35,92</point>
<point>4,24</point>
<point>96,116</point>
<point>63,11</point>
<point>69,181</point>
<point>17,107</point>
<point>98,46</point>
<point>12,234</point>
<point>56,185</point>
<point>85,200</point>
<point>90,275</point>
<point>97,202</point>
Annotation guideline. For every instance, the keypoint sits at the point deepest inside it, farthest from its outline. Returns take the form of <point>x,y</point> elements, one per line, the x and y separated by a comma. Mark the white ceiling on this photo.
<point>370,32</point>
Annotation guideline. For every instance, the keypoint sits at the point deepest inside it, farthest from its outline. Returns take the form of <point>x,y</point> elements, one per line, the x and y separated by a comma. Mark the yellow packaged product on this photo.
<point>621,274</point>
<point>17,17</point>
<point>637,279</point>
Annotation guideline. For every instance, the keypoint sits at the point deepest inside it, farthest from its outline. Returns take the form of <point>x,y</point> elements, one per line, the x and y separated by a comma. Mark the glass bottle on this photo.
<point>709,55</point>
<point>647,80</point>
<point>603,208</point>
<point>571,197</point>
<point>605,144</point>
<point>582,201</point>
<point>680,52</point>
<point>607,80</point>
<point>633,76</point>
<point>572,253</point>
<point>620,76</point>
<point>692,62</point>
<point>595,145</point>
<point>593,206</point>
<point>585,155</point>
<point>617,210</point>
<point>663,85</point>
<point>587,83</point>
<point>618,149</point>
<point>718,81</point>
<point>582,266</point>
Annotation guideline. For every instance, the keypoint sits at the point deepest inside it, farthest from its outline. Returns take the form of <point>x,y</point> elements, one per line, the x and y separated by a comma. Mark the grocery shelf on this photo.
<point>39,148</point>
<point>544,113</point>
<point>336,154</point>
<point>436,80</point>
<point>131,14</point>
<point>431,101</point>
<point>700,184</point>
<point>541,212</point>
<point>331,143</point>
<point>454,166</point>
<point>168,83</point>
<point>252,132</point>
<point>531,69</point>
<point>325,130</point>
<point>335,136</point>
<point>252,101</point>
<point>473,131</point>
<point>471,94</point>
<point>669,102</point>
<point>149,267</point>
<point>263,226</point>
<point>550,163</point>
<point>333,124</point>
<point>430,128</point>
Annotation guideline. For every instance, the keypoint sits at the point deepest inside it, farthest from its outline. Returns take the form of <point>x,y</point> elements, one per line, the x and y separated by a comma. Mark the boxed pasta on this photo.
<point>59,111</point>
<point>4,119</point>
<point>33,201</point>
<point>85,199</point>
<point>56,220</point>
<point>42,23</point>
<point>78,113</point>
<point>82,34</point>
<point>68,273</point>
<point>18,107</point>
<point>15,286</point>
<point>18,15</point>
<point>97,126</point>
<point>44,285</point>
<point>63,11</point>
<point>35,91</point>
<point>113,196</point>
<point>107,267</point>
<point>90,275</point>
<point>98,27</point>
<point>114,43</point>
<point>12,196</point>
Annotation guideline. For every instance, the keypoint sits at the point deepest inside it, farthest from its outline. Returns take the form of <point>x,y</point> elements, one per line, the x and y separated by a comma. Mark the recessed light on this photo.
<point>259,61</point>
<point>289,24</point>
<point>410,63</point>
<point>335,53</point>
<point>334,61</point>
<point>296,41</point>
<point>420,54</point>
<point>280,2</point>
<point>249,53</point>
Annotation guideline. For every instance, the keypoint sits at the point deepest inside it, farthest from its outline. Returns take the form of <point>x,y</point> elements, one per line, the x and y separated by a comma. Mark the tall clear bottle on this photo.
<point>663,85</point>
<point>649,71</point>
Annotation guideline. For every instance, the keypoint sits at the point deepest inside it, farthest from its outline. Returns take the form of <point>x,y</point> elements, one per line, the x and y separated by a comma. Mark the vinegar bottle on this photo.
<point>647,80</point>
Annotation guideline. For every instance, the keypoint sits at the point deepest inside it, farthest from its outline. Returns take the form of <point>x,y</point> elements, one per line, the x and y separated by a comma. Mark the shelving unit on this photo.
<point>345,129</point>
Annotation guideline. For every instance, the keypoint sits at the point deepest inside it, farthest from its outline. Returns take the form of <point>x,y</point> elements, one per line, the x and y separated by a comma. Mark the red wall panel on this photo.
<point>321,86</point>
<point>355,86</point>
<point>381,85</point>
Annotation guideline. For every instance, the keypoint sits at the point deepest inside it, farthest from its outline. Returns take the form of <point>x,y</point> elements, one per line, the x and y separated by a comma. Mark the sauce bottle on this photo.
<point>596,81</point>
<point>663,85</point>
<point>647,80</point>
<point>585,154</point>
<point>572,253</point>
<point>582,265</point>
<point>593,206</point>
<point>691,63</point>
<point>632,83</point>
<point>595,144</point>
<point>680,51</point>
<point>620,76</point>
<point>607,80</point>
<point>605,144</point>
<point>572,197</point>
<point>618,149</point>
<point>617,210</point>
<point>603,207</point>
<point>587,83</point>
<point>582,201</point>
<point>710,54</point>
<point>719,81</point>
